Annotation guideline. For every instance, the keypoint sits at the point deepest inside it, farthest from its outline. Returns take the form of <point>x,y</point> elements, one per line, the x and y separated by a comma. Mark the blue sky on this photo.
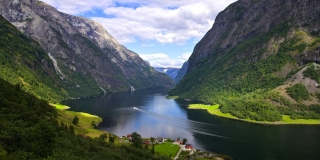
<point>163,32</point>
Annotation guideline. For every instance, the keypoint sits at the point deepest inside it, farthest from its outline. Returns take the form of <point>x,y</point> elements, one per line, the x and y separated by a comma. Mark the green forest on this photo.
<point>24,62</point>
<point>243,86</point>
<point>29,129</point>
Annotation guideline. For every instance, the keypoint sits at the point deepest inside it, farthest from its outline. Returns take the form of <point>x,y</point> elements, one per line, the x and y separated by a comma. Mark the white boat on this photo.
<point>135,108</point>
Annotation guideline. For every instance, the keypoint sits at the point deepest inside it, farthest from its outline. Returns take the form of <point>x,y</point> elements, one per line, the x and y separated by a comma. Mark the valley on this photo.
<point>71,90</point>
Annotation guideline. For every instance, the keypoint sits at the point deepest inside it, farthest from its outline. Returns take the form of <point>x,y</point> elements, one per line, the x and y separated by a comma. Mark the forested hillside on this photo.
<point>252,60</point>
<point>25,63</point>
<point>29,130</point>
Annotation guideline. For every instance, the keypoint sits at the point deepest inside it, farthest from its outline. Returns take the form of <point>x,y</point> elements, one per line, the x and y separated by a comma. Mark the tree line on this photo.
<point>29,130</point>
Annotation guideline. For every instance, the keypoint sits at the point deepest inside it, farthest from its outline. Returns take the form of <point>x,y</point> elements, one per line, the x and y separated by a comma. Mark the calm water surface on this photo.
<point>161,117</point>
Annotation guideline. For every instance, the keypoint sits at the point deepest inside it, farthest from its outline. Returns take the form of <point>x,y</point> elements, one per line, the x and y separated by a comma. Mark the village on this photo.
<point>164,146</point>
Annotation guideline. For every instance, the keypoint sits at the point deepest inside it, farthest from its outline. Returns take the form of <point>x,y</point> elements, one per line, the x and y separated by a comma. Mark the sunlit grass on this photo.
<point>88,115</point>
<point>288,120</point>
<point>214,109</point>
<point>59,106</point>
<point>167,149</point>
<point>85,122</point>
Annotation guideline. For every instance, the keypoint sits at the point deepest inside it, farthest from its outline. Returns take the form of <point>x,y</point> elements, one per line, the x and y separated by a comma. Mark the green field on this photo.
<point>88,115</point>
<point>288,120</point>
<point>214,109</point>
<point>59,106</point>
<point>167,149</point>
<point>85,122</point>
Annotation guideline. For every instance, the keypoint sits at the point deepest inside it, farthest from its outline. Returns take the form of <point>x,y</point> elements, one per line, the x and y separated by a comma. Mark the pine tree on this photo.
<point>75,120</point>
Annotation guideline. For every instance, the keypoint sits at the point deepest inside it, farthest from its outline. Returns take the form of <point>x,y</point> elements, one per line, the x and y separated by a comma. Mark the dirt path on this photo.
<point>177,156</point>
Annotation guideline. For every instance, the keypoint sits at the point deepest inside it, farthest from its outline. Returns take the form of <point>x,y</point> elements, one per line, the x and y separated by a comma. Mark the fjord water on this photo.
<point>161,117</point>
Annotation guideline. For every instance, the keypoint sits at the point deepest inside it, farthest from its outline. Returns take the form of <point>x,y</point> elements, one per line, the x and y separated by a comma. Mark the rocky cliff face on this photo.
<point>129,62</point>
<point>254,48</point>
<point>85,56</point>
<point>246,19</point>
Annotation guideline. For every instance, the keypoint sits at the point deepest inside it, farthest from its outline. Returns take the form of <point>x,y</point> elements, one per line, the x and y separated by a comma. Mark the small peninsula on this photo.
<point>214,110</point>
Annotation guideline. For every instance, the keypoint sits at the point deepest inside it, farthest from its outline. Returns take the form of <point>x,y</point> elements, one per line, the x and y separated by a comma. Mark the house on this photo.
<point>147,142</point>
<point>177,142</point>
<point>128,135</point>
<point>188,146</point>
<point>160,139</point>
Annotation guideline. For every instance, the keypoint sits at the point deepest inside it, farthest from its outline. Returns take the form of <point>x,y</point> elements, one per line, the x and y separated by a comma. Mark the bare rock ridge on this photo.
<point>85,55</point>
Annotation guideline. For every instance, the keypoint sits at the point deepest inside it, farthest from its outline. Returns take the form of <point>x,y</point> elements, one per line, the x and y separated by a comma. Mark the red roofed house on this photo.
<point>178,142</point>
<point>189,146</point>
<point>147,142</point>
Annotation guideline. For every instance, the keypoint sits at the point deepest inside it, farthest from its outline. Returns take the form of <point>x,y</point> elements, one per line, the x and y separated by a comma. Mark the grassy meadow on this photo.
<point>214,109</point>
<point>167,149</point>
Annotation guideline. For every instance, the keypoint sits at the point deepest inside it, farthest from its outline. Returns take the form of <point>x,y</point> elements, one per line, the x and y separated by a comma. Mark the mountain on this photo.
<point>182,71</point>
<point>87,59</point>
<point>171,72</point>
<point>258,61</point>
<point>24,62</point>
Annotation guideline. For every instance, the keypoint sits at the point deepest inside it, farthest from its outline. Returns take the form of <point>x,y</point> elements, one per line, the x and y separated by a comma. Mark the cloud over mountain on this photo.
<point>164,21</point>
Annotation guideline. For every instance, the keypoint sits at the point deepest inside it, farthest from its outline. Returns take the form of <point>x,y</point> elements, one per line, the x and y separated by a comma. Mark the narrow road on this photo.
<point>177,156</point>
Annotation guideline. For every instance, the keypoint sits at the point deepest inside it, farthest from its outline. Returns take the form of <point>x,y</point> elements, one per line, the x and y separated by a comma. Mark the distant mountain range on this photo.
<point>85,59</point>
<point>182,71</point>
<point>171,72</point>
<point>175,73</point>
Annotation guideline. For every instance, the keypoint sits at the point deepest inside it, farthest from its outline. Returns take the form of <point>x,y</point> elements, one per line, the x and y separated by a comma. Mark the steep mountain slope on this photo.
<point>86,66</point>
<point>171,72</point>
<point>138,72</point>
<point>24,62</point>
<point>253,47</point>
<point>182,71</point>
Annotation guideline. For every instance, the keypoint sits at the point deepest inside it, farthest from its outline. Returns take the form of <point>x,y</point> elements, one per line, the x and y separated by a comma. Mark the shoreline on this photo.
<point>286,120</point>
<point>87,124</point>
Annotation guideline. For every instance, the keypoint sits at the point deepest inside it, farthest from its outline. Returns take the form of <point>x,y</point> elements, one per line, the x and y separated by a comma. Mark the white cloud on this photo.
<point>167,62</point>
<point>165,21</point>
<point>153,56</point>
<point>185,56</point>
<point>147,45</point>
<point>79,6</point>
<point>163,60</point>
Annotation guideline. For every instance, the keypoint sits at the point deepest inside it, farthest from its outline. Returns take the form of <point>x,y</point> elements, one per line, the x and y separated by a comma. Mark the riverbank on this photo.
<point>214,110</point>
<point>86,124</point>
